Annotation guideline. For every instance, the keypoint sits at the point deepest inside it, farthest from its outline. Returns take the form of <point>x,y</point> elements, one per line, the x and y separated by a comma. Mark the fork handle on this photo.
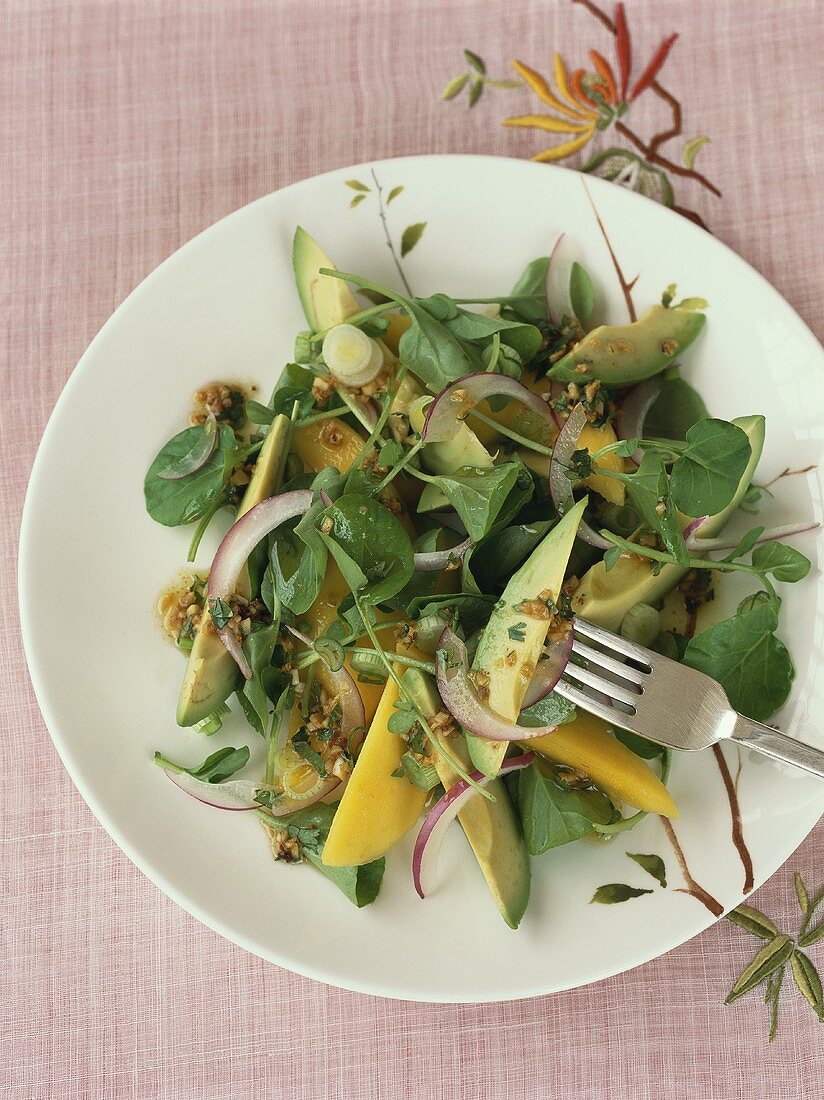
<point>755,735</point>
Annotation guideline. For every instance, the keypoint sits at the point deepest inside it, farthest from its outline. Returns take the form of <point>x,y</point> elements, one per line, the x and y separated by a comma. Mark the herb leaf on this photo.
<point>614,892</point>
<point>552,816</point>
<point>371,548</point>
<point>581,292</point>
<point>784,562</point>
<point>649,492</point>
<point>187,499</point>
<point>706,475</point>
<point>675,410</point>
<point>478,495</point>
<point>743,654</point>
<point>215,768</point>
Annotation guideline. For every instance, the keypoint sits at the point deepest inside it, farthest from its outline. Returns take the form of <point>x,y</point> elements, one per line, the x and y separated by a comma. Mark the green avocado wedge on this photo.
<point>604,597</point>
<point>620,355</point>
<point>492,828</point>
<point>211,674</point>
<point>326,301</point>
<point>512,641</point>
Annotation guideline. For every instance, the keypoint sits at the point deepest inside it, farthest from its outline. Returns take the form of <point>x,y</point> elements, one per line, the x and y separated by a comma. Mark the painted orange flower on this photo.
<point>587,101</point>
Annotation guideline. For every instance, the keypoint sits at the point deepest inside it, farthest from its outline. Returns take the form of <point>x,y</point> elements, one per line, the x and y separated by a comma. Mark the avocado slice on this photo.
<point>492,828</point>
<point>464,449</point>
<point>326,301</point>
<point>604,597</point>
<point>512,640</point>
<point>211,674</point>
<point>620,355</point>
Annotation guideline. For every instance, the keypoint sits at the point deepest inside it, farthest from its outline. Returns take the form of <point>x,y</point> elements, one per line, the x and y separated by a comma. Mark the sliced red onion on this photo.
<point>442,814</point>
<point>198,454</point>
<point>559,303</point>
<point>560,487</point>
<point>440,559</point>
<point>236,794</point>
<point>239,794</point>
<point>773,534</point>
<point>454,403</point>
<point>548,672</point>
<point>693,526</point>
<point>233,552</point>
<point>461,699</point>
<point>633,412</point>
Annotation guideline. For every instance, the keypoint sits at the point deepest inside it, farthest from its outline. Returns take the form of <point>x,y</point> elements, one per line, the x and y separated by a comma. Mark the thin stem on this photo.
<point>409,662</point>
<point>168,765</point>
<point>393,473</point>
<point>375,433</point>
<point>318,417</point>
<point>386,233</point>
<point>354,319</point>
<point>205,520</point>
<point>515,436</point>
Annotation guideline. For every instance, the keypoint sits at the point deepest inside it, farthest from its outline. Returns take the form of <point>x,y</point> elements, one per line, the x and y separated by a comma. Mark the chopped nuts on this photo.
<point>285,847</point>
<point>669,347</point>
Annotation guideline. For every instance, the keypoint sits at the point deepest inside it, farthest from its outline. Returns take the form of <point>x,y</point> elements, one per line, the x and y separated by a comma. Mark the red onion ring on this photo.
<point>462,702</point>
<point>436,560</point>
<point>548,671</point>
<point>558,301</point>
<point>442,814</point>
<point>353,715</point>
<point>629,423</point>
<point>233,552</point>
<point>239,794</point>
<point>197,456</point>
<point>560,487</point>
<point>454,403</point>
<point>693,526</point>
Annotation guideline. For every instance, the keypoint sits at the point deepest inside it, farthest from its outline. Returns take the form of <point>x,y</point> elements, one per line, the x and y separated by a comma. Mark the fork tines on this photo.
<point>608,679</point>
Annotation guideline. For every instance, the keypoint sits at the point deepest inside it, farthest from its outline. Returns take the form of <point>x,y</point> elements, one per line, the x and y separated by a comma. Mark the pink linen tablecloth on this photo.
<point>127,128</point>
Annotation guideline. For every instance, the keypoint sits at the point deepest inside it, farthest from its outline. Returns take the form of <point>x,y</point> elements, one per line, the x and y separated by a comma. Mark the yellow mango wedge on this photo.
<point>586,745</point>
<point>594,439</point>
<point>377,808</point>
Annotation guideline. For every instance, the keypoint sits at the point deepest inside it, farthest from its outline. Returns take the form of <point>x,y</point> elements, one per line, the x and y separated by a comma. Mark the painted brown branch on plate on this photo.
<point>731,787</point>
<point>693,888</point>
<point>626,285</point>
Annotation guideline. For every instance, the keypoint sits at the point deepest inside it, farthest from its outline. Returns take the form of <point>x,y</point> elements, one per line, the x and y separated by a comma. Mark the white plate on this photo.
<point>92,562</point>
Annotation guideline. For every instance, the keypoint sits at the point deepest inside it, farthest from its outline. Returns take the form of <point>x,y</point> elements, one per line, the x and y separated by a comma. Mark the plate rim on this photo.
<point>25,588</point>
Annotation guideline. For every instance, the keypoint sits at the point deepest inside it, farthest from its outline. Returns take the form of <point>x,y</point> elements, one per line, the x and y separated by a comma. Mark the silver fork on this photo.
<point>666,702</point>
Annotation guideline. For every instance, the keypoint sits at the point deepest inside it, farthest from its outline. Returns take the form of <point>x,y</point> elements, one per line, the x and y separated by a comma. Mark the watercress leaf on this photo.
<point>675,410</point>
<point>581,292</point>
<point>440,306</point>
<point>259,645</point>
<point>746,543</point>
<point>528,297</point>
<point>310,828</point>
<point>784,562</point>
<point>647,750</point>
<point>706,475</point>
<point>259,414</point>
<point>431,351</point>
<point>220,765</point>
<point>422,585</point>
<point>652,864</point>
<point>372,550</point>
<point>302,746</point>
<point>611,558</point>
<point>503,552</point>
<point>479,328</point>
<point>552,710</point>
<point>478,495</point>
<point>468,608</point>
<point>188,498</point>
<point>552,816</point>
<point>614,892</point>
<point>743,654</point>
<point>649,493</point>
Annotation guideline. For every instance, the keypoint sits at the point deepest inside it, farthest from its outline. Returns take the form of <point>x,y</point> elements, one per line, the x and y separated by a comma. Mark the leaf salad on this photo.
<point>434,489</point>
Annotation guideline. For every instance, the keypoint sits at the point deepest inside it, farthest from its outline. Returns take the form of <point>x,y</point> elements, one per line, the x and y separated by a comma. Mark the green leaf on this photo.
<point>356,200</point>
<point>310,828</point>
<point>753,921</point>
<point>649,492</point>
<point>801,894</point>
<point>356,185</point>
<point>475,92</point>
<point>581,293</point>
<point>371,548</point>
<point>410,237</point>
<point>614,892</point>
<point>259,646</point>
<point>647,750</point>
<point>494,562</point>
<point>432,352</point>
<point>692,148</point>
<point>743,654</point>
<point>215,768</point>
<point>300,743</point>
<point>552,816</point>
<point>527,298</point>
<point>478,495</point>
<point>771,957</point>
<point>783,561</point>
<point>187,499</point>
<point>706,475</point>
<point>220,612</point>
<point>552,710</point>
<point>653,865</point>
<point>675,410</point>
<point>393,194</point>
<point>454,86</point>
<point>259,414</point>
<point>478,328</point>
<point>611,558</point>
<point>476,62</point>
<point>808,981</point>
